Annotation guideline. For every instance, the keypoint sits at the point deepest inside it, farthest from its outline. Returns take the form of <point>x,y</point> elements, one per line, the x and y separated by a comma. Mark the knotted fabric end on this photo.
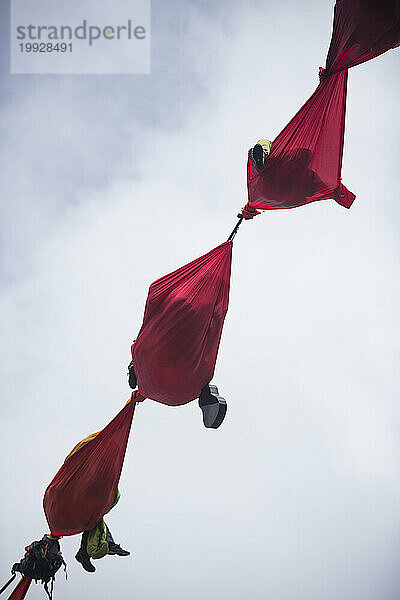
<point>323,74</point>
<point>137,396</point>
<point>249,212</point>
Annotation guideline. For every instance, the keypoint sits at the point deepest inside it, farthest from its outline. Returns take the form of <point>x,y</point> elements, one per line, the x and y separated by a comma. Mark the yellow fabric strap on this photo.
<point>82,443</point>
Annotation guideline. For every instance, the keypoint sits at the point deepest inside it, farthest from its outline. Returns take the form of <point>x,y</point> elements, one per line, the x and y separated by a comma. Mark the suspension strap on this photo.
<point>5,586</point>
<point>235,229</point>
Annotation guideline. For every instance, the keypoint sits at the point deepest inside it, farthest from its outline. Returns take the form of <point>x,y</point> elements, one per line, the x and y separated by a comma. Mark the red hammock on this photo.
<point>362,29</point>
<point>305,162</point>
<point>84,488</point>
<point>175,352</point>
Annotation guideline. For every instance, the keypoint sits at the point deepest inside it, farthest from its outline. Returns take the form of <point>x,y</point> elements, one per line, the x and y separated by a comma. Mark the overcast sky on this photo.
<point>109,182</point>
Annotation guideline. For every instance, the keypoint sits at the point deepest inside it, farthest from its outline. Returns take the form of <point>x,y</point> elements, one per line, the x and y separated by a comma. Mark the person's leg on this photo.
<point>114,548</point>
<point>82,555</point>
<point>84,539</point>
<point>109,537</point>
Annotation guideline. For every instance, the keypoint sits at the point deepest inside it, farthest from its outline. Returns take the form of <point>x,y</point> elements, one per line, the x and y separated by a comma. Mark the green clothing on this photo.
<point>97,545</point>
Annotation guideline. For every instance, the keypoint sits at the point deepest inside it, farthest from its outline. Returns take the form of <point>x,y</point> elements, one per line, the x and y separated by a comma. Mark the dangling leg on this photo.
<point>82,555</point>
<point>114,548</point>
<point>109,537</point>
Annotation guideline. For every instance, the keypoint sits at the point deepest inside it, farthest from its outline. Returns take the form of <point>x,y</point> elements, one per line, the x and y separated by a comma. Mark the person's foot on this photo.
<point>84,559</point>
<point>132,381</point>
<point>114,548</point>
<point>258,155</point>
<point>213,406</point>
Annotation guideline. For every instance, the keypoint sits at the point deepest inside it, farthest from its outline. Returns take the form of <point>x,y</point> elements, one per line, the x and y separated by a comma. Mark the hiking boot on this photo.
<point>114,548</point>
<point>84,559</point>
<point>258,155</point>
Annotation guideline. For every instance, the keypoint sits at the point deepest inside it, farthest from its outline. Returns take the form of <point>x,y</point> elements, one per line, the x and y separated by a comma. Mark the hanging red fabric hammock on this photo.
<point>84,488</point>
<point>175,352</point>
<point>362,29</point>
<point>305,161</point>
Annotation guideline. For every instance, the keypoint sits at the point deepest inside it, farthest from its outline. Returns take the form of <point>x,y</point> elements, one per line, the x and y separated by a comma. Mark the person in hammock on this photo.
<point>212,405</point>
<point>260,152</point>
<point>291,173</point>
<point>98,542</point>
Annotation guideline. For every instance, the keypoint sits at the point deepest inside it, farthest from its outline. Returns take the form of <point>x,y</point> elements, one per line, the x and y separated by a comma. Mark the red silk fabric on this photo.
<point>175,352</point>
<point>306,158</point>
<point>362,29</point>
<point>85,486</point>
<point>21,589</point>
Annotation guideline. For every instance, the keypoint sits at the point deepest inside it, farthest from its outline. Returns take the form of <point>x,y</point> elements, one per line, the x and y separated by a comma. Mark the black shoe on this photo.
<point>84,559</point>
<point>132,381</point>
<point>213,407</point>
<point>114,548</point>
<point>258,155</point>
